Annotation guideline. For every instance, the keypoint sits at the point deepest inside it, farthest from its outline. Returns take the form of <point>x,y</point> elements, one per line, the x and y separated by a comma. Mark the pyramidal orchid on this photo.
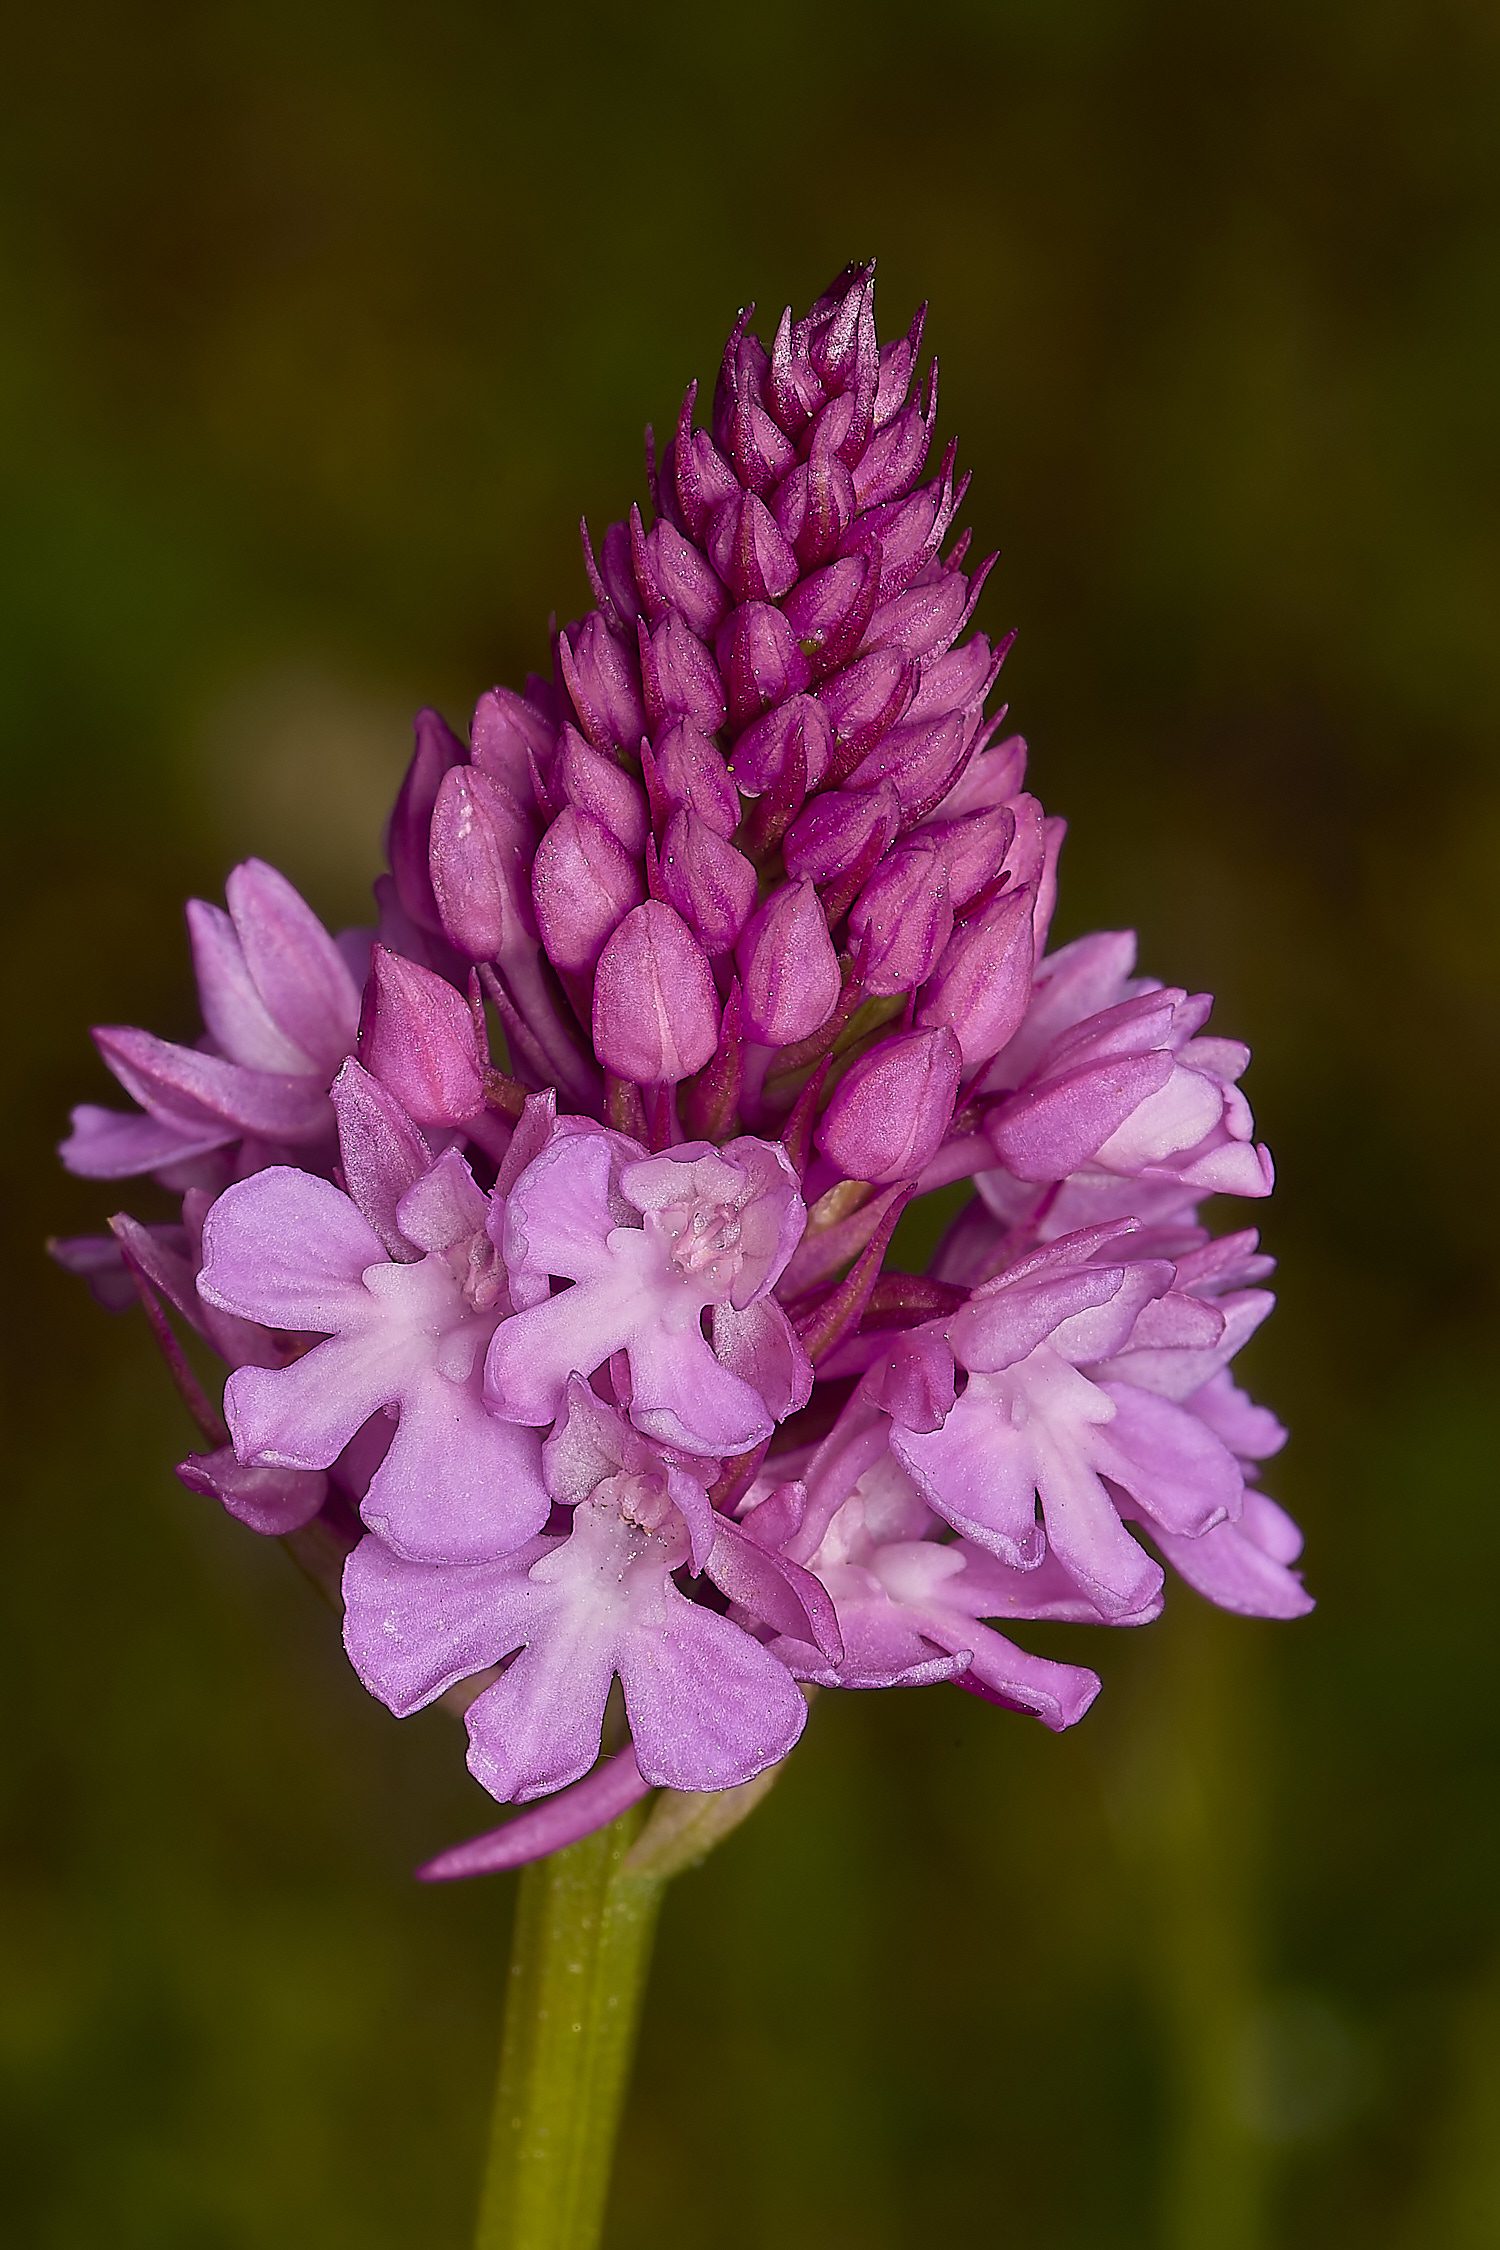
<point>546,1227</point>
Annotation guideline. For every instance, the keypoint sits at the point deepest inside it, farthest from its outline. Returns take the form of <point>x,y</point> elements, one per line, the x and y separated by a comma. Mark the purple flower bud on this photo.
<point>600,676</point>
<point>597,784</point>
<point>748,551</point>
<point>416,1036</point>
<point>760,754</point>
<point>612,576</point>
<point>761,453</point>
<point>994,777</point>
<point>481,850</point>
<point>890,1113</point>
<point>840,830</point>
<point>922,762</point>
<point>898,364</point>
<point>959,681</point>
<point>673,575</point>
<point>830,611</point>
<point>789,972</point>
<point>777,806</point>
<point>695,473</point>
<point>976,845</point>
<point>815,506</point>
<point>982,984</point>
<point>583,884</point>
<point>894,458</point>
<point>926,620</point>
<point>865,701</point>
<point>686,770</point>
<point>902,919</point>
<point>761,660</point>
<point>438,748</point>
<point>656,1013</point>
<point>712,886</point>
<point>680,677</point>
<point>506,727</point>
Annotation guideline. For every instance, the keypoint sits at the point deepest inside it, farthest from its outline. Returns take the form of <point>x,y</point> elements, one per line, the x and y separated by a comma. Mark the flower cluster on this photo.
<point>594,1357</point>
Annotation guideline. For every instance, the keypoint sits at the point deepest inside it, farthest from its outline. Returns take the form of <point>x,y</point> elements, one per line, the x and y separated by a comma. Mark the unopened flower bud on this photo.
<point>890,1113</point>
<point>761,660</point>
<point>975,846</point>
<point>600,676</point>
<point>480,853</point>
<point>506,728</point>
<point>830,611</point>
<point>416,1036</point>
<point>599,785</point>
<point>656,1013</point>
<point>762,751</point>
<point>583,884</point>
<point>982,984</point>
<point>864,702</point>
<point>695,473</point>
<point>680,678</point>
<point>712,886</point>
<point>673,575</point>
<point>748,552</point>
<point>814,506</point>
<point>902,919</point>
<point>921,762</point>
<point>789,972</point>
<point>686,770</point>
<point>840,830</point>
<point>438,748</point>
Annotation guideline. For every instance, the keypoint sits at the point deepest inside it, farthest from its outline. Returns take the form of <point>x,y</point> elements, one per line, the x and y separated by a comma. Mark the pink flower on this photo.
<point>649,1243</point>
<point>281,1008</point>
<point>708,1706</point>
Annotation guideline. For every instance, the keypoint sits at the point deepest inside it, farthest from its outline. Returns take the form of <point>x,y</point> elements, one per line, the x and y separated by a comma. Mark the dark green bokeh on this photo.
<point>322,326</point>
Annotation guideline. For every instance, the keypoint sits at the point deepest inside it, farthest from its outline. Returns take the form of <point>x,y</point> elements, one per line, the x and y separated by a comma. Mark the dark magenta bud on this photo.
<point>762,751</point>
<point>583,883</point>
<point>789,973</point>
<point>612,577</point>
<point>830,611</point>
<point>416,1036</point>
<point>438,748</point>
<point>921,762</point>
<point>696,473</point>
<point>712,886</point>
<point>597,784</point>
<point>680,677</point>
<point>815,506</point>
<point>686,770</point>
<point>902,919</point>
<point>480,858</point>
<point>835,832</point>
<point>864,702</point>
<point>656,1013</point>
<point>890,1113</point>
<point>599,674</point>
<point>672,574</point>
<point>761,660</point>
<point>506,728</point>
<point>982,984</point>
<point>976,845</point>
<point>748,552</point>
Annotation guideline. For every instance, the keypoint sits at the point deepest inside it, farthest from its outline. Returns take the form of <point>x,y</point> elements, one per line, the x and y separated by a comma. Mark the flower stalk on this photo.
<point>579,1956</point>
<point>580,1953</point>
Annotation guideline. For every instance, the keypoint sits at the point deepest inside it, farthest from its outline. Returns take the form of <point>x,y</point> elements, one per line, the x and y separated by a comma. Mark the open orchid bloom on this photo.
<point>586,1346</point>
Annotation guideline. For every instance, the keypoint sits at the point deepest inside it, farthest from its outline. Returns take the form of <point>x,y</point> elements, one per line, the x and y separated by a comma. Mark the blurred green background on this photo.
<point>321,326</point>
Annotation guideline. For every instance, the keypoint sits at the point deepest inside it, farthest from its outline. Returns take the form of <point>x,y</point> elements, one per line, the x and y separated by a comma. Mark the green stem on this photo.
<point>579,1957</point>
<point>578,1961</point>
